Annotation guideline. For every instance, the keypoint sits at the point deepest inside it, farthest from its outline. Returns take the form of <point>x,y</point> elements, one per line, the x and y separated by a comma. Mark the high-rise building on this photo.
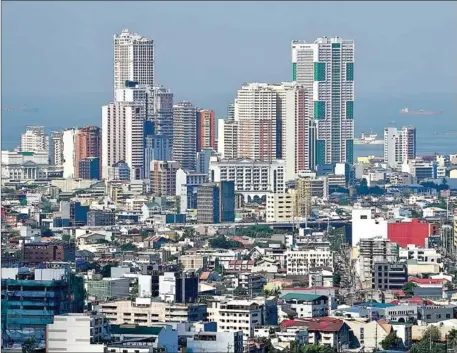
<point>56,148</point>
<point>123,123</point>
<point>163,177</point>
<point>89,168</point>
<point>231,112</point>
<point>273,122</point>
<point>256,113</point>
<point>206,130</point>
<point>216,202</point>
<point>326,68</point>
<point>133,59</point>
<point>69,152</point>
<point>34,140</point>
<point>227,139</point>
<point>160,112</point>
<point>88,143</point>
<point>184,134</point>
<point>399,145</point>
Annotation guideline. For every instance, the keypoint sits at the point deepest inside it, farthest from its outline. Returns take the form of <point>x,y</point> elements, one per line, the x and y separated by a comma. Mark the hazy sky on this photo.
<point>206,50</point>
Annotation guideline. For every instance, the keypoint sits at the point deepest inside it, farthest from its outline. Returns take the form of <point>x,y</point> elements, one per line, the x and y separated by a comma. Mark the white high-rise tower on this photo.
<point>326,68</point>
<point>133,59</point>
<point>399,145</point>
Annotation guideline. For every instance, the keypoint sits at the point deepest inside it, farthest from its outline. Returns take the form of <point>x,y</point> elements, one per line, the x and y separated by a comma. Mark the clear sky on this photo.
<point>205,50</point>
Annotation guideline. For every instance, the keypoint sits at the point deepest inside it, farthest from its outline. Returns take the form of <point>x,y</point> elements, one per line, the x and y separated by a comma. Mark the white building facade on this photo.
<point>399,145</point>
<point>34,140</point>
<point>326,68</point>
<point>133,59</point>
<point>69,152</point>
<point>251,178</point>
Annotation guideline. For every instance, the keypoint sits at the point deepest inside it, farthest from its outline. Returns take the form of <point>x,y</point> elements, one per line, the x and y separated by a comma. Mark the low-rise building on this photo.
<point>108,288</point>
<point>75,333</point>
<point>147,312</point>
<point>307,305</point>
<point>230,342</point>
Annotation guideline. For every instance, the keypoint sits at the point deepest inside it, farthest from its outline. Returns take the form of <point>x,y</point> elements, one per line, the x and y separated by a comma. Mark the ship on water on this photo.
<point>370,139</point>
<point>406,111</point>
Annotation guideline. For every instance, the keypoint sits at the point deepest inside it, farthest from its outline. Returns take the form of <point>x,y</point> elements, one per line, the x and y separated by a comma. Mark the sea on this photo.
<point>436,134</point>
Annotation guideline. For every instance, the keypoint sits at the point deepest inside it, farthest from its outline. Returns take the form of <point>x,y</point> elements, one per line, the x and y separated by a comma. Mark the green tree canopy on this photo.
<point>391,342</point>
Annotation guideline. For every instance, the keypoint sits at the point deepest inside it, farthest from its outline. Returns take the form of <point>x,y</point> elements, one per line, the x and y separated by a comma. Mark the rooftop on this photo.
<point>301,296</point>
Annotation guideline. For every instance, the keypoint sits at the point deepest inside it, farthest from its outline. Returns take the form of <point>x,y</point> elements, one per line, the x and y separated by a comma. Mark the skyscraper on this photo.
<point>56,148</point>
<point>273,123</point>
<point>326,68</point>
<point>133,59</point>
<point>69,152</point>
<point>88,143</point>
<point>399,145</point>
<point>34,140</point>
<point>255,111</point>
<point>206,130</point>
<point>227,139</point>
<point>184,134</point>
<point>123,123</point>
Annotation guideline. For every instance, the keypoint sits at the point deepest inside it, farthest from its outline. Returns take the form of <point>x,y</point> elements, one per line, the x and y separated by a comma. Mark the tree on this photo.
<point>451,338</point>
<point>392,341</point>
<point>449,285</point>
<point>128,247</point>
<point>134,291</point>
<point>430,342</point>
<point>189,233</point>
<point>408,288</point>
<point>222,242</point>
<point>240,291</point>
<point>66,237</point>
<point>336,279</point>
<point>29,345</point>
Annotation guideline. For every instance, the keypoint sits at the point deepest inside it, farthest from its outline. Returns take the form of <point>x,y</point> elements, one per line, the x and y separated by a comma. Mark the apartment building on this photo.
<point>300,260</point>
<point>163,177</point>
<point>236,315</point>
<point>307,305</point>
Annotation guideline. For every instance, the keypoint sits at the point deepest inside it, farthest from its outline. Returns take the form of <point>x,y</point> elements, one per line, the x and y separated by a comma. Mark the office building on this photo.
<point>146,312</point>
<point>253,179</point>
<point>163,177</point>
<point>227,314</point>
<point>230,342</point>
<point>179,287</point>
<point>56,148</point>
<point>99,218</point>
<point>76,332</point>
<point>389,276</point>
<point>326,68</point>
<point>88,144</point>
<point>108,288</point>
<point>34,139</point>
<point>119,171</point>
<point>231,112</point>
<point>184,134</point>
<point>37,253</point>
<point>57,291</point>
<point>216,202</point>
<point>399,145</point>
<point>123,133</point>
<point>206,130</point>
<point>69,152</point>
<point>227,139</point>
<point>134,59</point>
<point>89,168</point>
<point>203,159</point>
<point>160,113</point>
<point>187,183</point>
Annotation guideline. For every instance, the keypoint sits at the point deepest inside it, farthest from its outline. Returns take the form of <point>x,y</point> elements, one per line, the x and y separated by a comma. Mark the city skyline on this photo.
<point>93,43</point>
